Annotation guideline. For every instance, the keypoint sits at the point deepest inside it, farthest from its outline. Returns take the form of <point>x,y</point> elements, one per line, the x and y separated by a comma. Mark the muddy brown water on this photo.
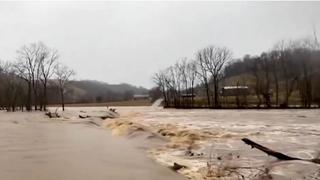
<point>35,148</point>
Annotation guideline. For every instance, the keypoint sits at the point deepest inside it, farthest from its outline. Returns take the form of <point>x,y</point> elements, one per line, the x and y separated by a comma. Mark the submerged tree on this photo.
<point>27,69</point>
<point>47,61</point>
<point>63,73</point>
<point>35,65</point>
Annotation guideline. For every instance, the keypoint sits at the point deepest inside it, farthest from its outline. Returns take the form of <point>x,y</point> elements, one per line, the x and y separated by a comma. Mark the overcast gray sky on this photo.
<point>128,41</point>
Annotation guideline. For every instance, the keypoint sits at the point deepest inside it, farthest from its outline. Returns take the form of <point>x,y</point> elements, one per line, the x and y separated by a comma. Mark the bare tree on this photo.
<point>160,80</point>
<point>26,67</point>
<point>166,79</point>
<point>265,66</point>
<point>290,78</point>
<point>275,69</point>
<point>182,70</point>
<point>63,73</point>
<point>303,50</point>
<point>35,62</point>
<point>175,83</point>
<point>47,60</point>
<point>176,80</point>
<point>191,76</point>
<point>254,68</point>
<point>12,90</point>
<point>203,74</point>
<point>214,60</point>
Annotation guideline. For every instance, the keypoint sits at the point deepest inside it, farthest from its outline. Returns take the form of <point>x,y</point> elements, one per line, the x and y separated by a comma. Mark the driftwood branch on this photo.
<point>268,151</point>
<point>276,154</point>
<point>177,166</point>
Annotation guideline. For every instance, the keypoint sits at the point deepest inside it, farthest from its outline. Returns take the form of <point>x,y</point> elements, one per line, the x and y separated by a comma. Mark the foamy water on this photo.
<point>219,133</point>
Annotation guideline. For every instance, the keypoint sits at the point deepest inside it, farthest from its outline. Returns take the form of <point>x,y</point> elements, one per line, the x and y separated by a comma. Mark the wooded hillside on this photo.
<point>287,75</point>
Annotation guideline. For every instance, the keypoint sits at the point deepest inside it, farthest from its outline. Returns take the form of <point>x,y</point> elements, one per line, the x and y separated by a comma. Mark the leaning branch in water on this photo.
<point>276,154</point>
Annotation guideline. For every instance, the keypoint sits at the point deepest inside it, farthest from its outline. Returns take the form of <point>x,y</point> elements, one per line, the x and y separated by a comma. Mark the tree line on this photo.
<point>25,82</point>
<point>287,75</point>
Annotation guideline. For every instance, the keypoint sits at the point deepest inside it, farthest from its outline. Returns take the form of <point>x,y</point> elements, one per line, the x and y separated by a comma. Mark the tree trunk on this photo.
<point>62,99</point>
<point>164,96</point>
<point>208,93</point>
<point>35,96</point>
<point>257,89</point>
<point>277,90</point>
<point>192,98</point>
<point>285,73</point>
<point>309,92</point>
<point>28,105</point>
<point>216,93</point>
<point>45,96</point>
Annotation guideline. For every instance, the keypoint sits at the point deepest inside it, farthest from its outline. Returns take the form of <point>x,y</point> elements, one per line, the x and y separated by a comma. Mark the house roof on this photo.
<point>140,95</point>
<point>235,87</point>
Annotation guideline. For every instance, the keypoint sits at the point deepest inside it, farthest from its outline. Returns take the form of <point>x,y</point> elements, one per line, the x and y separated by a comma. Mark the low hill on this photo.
<point>90,91</point>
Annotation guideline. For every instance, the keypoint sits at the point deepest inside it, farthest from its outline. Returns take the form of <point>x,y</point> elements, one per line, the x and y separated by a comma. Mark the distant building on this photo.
<point>141,97</point>
<point>235,91</point>
<point>188,95</point>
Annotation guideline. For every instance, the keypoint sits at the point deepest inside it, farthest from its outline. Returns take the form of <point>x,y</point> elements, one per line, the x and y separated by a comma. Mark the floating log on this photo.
<point>276,154</point>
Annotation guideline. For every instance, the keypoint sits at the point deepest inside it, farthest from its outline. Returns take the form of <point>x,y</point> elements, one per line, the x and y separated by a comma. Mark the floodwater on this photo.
<point>218,133</point>
<point>33,147</point>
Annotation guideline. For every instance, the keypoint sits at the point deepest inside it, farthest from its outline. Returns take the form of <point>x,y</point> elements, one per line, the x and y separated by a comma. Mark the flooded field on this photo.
<point>207,143</point>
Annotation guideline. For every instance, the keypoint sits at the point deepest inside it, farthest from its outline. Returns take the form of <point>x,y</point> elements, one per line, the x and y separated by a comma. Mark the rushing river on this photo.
<point>33,147</point>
